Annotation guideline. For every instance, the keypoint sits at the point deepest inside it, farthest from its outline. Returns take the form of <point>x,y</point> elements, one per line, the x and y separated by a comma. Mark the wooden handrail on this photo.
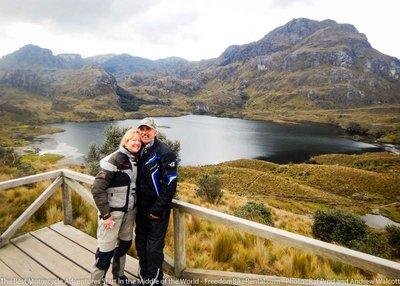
<point>23,218</point>
<point>335,252</point>
<point>30,179</point>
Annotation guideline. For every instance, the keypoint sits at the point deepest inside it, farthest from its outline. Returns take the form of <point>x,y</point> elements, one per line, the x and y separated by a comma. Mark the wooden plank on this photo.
<point>9,277</point>
<point>50,259</point>
<point>235,278</point>
<point>87,179</point>
<point>24,217</point>
<point>30,179</point>
<point>69,249</point>
<point>90,243</point>
<point>179,242</point>
<point>24,266</point>
<point>80,190</point>
<point>345,255</point>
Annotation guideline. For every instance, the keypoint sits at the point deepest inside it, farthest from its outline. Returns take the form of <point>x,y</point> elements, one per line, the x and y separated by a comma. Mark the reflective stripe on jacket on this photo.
<point>157,178</point>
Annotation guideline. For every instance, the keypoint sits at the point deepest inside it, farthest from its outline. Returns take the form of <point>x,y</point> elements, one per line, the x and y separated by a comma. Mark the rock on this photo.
<point>375,211</point>
<point>304,174</point>
<point>282,169</point>
<point>201,108</point>
<point>362,197</point>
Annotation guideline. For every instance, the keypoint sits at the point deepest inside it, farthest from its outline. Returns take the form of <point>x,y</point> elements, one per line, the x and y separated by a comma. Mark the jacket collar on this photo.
<point>126,152</point>
<point>151,144</point>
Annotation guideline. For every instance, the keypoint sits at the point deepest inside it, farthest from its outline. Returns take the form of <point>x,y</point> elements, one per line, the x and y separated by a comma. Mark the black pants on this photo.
<point>150,242</point>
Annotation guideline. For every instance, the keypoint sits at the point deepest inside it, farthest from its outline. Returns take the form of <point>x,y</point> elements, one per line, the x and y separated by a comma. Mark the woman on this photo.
<point>114,192</point>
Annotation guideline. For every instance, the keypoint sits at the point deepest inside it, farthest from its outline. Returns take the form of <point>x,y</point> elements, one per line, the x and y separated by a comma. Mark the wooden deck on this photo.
<point>58,254</point>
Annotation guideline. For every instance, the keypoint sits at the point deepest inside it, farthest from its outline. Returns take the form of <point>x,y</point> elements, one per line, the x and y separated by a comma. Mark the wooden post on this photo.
<point>67,203</point>
<point>179,242</point>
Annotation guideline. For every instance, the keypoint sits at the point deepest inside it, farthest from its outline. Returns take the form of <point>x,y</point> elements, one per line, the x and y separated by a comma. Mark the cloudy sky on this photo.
<point>192,29</point>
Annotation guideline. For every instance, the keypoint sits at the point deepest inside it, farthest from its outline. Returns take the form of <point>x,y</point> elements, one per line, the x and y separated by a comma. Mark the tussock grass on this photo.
<point>223,246</point>
<point>54,214</point>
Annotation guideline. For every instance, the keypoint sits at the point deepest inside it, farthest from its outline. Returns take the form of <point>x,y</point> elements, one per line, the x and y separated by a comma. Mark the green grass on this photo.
<point>392,212</point>
<point>45,158</point>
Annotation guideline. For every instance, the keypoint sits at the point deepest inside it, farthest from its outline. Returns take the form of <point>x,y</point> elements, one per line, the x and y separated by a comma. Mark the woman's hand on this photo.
<point>108,223</point>
<point>154,217</point>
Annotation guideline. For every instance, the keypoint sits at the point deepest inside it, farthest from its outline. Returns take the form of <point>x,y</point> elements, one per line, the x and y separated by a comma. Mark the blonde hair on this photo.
<point>128,136</point>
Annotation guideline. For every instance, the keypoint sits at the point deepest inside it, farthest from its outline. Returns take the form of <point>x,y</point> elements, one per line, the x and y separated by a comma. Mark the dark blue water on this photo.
<point>210,140</point>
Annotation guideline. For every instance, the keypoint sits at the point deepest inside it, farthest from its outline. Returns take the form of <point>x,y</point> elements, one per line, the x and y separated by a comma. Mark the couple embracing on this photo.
<point>136,183</point>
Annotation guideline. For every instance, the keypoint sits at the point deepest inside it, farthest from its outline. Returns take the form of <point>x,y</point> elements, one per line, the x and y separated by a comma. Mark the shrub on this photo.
<point>8,157</point>
<point>354,128</point>
<point>393,233</point>
<point>377,131</point>
<point>255,212</point>
<point>92,159</point>
<point>373,244</point>
<point>113,136</point>
<point>338,226</point>
<point>210,188</point>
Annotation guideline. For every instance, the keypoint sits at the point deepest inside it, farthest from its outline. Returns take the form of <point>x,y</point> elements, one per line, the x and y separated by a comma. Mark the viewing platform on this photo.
<point>62,254</point>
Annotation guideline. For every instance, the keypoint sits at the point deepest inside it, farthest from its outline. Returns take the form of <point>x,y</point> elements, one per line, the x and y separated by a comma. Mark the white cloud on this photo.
<point>194,30</point>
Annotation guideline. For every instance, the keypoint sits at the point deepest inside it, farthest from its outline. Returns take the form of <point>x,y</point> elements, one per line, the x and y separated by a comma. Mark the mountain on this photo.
<point>31,56</point>
<point>302,65</point>
<point>98,60</point>
<point>304,70</point>
<point>310,64</point>
<point>72,61</point>
<point>125,64</point>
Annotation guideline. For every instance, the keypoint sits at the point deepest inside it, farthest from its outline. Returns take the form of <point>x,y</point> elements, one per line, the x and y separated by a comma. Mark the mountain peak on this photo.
<point>286,37</point>
<point>31,56</point>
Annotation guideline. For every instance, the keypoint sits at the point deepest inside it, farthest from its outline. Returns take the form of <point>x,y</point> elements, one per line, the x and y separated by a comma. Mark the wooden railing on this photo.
<point>68,179</point>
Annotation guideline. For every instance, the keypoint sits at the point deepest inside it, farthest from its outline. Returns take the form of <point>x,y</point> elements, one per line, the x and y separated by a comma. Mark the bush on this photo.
<point>373,244</point>
<point>393,233</point>
<point>338,226</point>
<point>255,212</point>
<point>210,188</point>
<point>349,230</point>
<point>8,157</point>
<point>353,128</point>
<point>113,136</point>
<point>92,159</point>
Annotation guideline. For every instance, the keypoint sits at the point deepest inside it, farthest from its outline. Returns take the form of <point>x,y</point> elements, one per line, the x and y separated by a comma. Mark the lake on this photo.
<point>211,140</point>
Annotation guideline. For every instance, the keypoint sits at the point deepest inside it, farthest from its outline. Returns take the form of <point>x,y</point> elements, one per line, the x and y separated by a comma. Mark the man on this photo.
<point>157,180</point>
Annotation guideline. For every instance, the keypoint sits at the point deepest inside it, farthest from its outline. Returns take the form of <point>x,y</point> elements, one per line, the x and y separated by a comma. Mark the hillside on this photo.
<point>291,192</point>
<point>305,70</point>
